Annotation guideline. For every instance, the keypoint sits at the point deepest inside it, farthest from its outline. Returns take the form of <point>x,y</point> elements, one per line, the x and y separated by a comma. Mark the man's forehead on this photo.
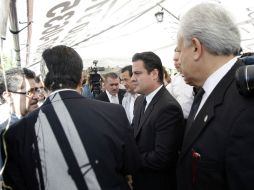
<point>125,74</point>
<point>179,44</point>
<point>28,84</point>
<point>139,64</point>
<point>110,80</point>
<point>39,84</point>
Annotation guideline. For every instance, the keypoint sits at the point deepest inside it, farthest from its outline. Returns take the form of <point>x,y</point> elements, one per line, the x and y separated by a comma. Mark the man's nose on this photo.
<point>133,78</point>
<point>36,95</point>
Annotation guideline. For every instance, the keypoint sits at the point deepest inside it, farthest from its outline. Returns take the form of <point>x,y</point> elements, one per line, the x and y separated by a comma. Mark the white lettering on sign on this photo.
<point>73,22</point>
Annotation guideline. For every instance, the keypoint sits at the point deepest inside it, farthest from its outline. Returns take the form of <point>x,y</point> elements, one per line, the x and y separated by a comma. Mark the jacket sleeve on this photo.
<point>131,156</point>
<point>12,175</point>
<point>239,153</point>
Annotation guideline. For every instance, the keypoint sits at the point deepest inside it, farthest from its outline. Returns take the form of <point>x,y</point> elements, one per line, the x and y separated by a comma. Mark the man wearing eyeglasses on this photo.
<point>18,99</point>
<point>20,96</point>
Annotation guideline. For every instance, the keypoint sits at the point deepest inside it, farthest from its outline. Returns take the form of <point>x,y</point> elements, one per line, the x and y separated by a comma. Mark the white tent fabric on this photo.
<point>111,31</point>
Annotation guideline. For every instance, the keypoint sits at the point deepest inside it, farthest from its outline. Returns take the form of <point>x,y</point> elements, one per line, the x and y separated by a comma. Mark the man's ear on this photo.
<point>196,48</point>
<point>155,74</point>
<point>80,82</point>
<point>7,96</point>
<point>80,86</point>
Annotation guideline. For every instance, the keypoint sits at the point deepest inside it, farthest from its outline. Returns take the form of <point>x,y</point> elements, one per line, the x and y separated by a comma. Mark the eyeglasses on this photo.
<point>29,93</point>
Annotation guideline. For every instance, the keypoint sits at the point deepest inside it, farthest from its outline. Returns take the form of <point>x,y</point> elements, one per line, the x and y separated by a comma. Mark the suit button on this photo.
<point>205,118</point>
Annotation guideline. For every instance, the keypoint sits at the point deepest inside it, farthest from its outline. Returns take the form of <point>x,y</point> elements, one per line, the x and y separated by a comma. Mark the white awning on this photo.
<point>111,31</point>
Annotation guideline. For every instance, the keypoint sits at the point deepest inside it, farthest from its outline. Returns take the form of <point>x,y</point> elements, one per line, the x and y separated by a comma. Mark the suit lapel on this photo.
<point>105,97</point>
<point>145,118</point>
<point>206,114</point>
<point>121,95</point>
<point>148,111</point>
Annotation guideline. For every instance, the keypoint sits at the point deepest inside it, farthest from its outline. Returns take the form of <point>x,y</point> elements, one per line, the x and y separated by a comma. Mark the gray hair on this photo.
<point>213,26</point>
<point>110,75</point>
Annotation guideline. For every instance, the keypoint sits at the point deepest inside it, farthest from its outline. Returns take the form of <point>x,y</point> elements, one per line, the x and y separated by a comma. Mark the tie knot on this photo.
<point>198,98</point>
<point>144,102</point>
<point>200,93</point>
<point>195,91</point>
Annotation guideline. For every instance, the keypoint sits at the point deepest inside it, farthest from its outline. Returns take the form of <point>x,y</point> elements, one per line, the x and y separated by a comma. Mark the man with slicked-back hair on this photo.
<point>157,123</point>
<point>70,142</point>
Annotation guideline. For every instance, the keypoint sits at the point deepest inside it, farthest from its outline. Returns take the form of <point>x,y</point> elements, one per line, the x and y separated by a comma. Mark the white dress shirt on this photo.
<point>113,99</point>
<point>128,104</point>
<point>182,92</point>
<point>150,96</point>
<point>212,81</point>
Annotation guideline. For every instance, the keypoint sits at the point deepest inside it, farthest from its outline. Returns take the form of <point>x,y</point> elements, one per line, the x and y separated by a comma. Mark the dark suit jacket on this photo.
<point>158,137</point>
<point>218,153</point>
<point>104,97</point>
<point>102,129</point>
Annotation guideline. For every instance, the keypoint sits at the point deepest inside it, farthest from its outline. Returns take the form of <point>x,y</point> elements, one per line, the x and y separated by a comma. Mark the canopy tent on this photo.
<point>109,31</point>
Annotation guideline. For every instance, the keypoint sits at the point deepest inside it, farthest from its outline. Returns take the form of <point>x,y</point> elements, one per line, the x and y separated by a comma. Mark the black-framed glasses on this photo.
<point>31,92</point>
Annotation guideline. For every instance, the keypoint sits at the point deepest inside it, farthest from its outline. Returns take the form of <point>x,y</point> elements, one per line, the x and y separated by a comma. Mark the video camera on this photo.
<point>245,75</point>
<point>95,78</point>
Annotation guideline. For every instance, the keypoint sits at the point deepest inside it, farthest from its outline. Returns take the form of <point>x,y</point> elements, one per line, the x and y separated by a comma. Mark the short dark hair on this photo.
<point>127,68</point>
<point>29,74</point>
<point>37,79</point>
<point>64,67</point>
<point>110,75</point>
<point>151,62</point>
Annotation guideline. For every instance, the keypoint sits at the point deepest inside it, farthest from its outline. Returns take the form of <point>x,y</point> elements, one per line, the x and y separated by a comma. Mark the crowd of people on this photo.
<point>192,132</point>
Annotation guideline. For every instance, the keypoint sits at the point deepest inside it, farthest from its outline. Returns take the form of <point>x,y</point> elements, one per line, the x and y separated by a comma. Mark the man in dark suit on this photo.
<point>112,93</point>
<point>158,125</point>
<point>217,151</point>
<point>70,142</point>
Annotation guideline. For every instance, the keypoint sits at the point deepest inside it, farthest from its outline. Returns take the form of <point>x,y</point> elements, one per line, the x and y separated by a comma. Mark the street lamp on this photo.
<point>159,15</point>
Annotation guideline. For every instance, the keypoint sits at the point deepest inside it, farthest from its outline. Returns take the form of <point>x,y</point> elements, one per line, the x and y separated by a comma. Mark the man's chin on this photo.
<point>137,90</point>
<point>186,80</point>
<point>33,107</point>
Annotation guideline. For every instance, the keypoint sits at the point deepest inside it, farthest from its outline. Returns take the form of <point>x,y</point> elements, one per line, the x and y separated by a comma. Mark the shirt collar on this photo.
<point>110,95</point>
<point>61,90</point>
<point>215,78</point>
<point>128,94</point>
<point>150,96</point>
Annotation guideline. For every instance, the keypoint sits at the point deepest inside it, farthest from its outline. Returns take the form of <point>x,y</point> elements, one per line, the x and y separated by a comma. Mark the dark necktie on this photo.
<point>195,91</point>
<point>194,109</point>
<point>142,110</point>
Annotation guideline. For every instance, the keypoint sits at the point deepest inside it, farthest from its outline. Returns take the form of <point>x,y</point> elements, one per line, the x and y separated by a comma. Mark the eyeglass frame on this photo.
<point>29,93</point>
